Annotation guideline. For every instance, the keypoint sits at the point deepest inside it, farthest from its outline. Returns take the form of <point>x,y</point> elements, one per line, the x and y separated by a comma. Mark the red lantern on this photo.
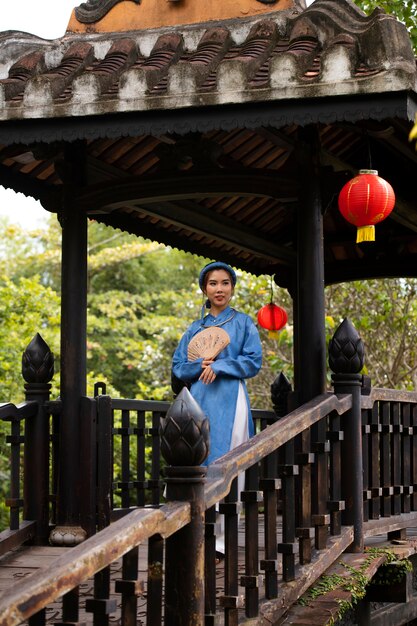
<point>272,317</point>
<point>366,200</point>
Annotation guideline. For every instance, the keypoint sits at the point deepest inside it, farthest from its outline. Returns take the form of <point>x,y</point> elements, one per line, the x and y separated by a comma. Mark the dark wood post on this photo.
<point>309,317</point>
<point>73,349</point>
<point>37,370</point>
<point>184,445</point>
<point>310,379</point>
<point>346,358</point>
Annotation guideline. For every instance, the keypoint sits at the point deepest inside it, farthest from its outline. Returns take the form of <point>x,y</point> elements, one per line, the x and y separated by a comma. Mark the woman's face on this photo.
<point>218,289</point>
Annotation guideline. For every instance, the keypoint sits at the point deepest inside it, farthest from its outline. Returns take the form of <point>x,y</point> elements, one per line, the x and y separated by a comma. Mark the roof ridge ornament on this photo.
<point>94,10</point>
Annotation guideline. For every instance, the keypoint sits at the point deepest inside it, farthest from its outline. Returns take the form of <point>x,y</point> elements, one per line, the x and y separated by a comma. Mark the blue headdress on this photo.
<point>214,265</point>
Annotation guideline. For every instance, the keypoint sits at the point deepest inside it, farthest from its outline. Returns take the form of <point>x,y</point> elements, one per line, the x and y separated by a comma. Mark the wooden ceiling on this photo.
<point>192,136</point>
<point>233,195</point>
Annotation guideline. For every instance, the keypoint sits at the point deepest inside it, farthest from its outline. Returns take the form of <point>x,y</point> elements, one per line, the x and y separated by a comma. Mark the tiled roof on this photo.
<point>329,49</point>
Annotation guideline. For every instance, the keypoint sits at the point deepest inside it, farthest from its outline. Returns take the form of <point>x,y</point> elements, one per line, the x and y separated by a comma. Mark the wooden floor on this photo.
<point>27,561</point>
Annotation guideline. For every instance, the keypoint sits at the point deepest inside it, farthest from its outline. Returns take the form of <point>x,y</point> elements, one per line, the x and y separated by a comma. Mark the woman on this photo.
<point>219,385</point>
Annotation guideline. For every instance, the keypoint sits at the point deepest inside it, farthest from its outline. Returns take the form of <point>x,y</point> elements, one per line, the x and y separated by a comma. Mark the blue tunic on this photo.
<point>241,359</point>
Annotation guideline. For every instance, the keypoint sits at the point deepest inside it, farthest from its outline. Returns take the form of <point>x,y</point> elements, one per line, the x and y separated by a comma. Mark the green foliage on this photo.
<point>26,307</point>
<point>392,570</point>
<point>384,313</point>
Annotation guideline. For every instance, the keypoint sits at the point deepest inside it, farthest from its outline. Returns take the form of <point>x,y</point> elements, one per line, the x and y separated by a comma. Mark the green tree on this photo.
<point>384,313</point>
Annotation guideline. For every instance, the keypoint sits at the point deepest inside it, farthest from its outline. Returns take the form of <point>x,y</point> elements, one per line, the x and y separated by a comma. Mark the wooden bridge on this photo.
<point>322,481</point>
<point>226,132</point>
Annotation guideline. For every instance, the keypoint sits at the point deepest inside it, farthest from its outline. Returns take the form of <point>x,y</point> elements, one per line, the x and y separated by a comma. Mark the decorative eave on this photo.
<point>329,50</point>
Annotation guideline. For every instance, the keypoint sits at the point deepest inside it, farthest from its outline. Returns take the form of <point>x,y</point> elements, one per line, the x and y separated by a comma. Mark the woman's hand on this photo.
<point>207,376</point>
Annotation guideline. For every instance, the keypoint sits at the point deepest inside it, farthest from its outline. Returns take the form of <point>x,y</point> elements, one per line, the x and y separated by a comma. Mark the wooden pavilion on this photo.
<point>229,129</point>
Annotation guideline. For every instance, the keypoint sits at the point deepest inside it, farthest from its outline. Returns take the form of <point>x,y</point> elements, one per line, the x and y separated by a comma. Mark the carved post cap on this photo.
<point>185,432</point>
<point>346,350</point>
<point>37,361</point>
<point>280,389</point>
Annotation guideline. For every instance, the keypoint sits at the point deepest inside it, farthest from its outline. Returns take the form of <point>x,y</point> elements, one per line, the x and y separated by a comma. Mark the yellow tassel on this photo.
<point>365,233</point>
<point>273,334</point>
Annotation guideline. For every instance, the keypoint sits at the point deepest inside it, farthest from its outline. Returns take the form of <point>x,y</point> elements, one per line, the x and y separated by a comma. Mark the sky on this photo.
<point>47,19</point>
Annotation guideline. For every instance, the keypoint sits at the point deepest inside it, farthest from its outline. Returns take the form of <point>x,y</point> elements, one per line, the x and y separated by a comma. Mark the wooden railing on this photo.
<point>125,535</point>
<point>318,481</point>
<point>273,461</point>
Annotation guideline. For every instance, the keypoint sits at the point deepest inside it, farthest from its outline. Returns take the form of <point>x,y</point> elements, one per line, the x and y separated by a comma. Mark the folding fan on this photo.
<point>208,343</point>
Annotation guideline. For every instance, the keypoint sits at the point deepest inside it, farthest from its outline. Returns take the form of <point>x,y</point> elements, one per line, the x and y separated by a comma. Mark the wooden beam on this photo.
<point>171,238</point>
<point>206,222</point>
<point>102,198</point>
<point>159,198</point>
<point>345,271</point>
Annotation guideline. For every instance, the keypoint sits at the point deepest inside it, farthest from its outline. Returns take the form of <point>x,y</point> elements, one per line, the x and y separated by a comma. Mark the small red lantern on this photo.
<point>366,200</point>
<point>272,317</point>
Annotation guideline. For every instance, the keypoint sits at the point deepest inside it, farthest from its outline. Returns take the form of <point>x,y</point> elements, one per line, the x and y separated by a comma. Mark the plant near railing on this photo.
<point>390,572</point>
<point>393,570</point>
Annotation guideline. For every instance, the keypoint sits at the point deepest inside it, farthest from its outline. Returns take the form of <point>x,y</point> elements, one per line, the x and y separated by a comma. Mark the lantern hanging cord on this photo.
<point>272,289</point>
<point>369,152</point>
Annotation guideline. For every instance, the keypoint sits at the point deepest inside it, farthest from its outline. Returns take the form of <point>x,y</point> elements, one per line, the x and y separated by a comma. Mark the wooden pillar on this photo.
<point>184,451</point>
<point>310,338</point>
<point>37,370</point>
<point>73,349</point>
<point>346,359</point>
<point>310,361</point>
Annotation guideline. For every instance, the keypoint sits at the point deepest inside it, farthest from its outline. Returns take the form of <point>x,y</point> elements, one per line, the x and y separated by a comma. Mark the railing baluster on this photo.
<point>304,458</point>
<point>15,502</point>
<point>88,461</point>
<point>269,485</point>
<point>55,437</point>
<point>39,619</point>
<point>336,505</point>
<point>250,581</point>
<point>231,600</point>
<point>320,494</point>
<point>405,458</point>
<point>102,606</point>
<point>155,580</point>
<point>140,458</point>
<point>125,483</point>
<point>70,609</point>
<point>154,481</point>
<point>396,458</point>
<point>209,567</point>
<point>365,463</point>
<point>130,587</point>
<point>374,463</point>
<point>104,460</point>
<point>414,456</point>
<point>288,546</point>
<point>387,489</point>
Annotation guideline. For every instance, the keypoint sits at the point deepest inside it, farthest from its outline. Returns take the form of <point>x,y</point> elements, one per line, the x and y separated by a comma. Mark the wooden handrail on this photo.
<point>9,411</point>
<point>381,394</point>
<point>88,558</point>
<point>221,473</point>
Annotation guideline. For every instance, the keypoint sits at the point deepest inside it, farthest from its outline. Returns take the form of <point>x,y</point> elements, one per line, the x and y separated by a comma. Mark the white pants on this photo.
<point>240,434</point>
